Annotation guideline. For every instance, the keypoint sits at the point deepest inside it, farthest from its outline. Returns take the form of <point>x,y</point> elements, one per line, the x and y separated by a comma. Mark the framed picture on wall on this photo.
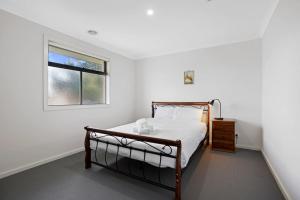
<point>189,77</point>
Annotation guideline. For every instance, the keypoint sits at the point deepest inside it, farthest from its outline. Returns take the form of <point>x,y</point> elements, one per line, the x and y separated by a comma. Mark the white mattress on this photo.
<point>191,133</point>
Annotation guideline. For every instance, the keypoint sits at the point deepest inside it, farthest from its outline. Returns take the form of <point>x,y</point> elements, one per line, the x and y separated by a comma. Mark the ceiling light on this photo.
<point>92,32</point>
<point>150,12</point>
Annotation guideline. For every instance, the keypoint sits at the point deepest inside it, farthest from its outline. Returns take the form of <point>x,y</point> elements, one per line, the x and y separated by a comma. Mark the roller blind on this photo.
<point>67,57</point>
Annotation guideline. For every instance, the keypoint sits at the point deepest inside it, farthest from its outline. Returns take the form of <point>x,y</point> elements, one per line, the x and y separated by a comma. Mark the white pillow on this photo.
<point>188,113</point>
<point>164,112</point>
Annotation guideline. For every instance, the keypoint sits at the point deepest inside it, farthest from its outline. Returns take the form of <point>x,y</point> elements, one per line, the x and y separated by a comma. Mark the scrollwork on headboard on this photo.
<point>204,105</point>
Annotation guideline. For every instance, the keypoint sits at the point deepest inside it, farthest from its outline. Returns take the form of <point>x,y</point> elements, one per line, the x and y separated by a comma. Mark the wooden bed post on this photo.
<point>87,147</point>
<point>153,110</point>
<point>208,124</point>
<point>178,171</point>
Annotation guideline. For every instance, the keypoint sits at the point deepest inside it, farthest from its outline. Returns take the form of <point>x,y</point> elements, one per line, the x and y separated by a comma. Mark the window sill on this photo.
<point>74,107</point>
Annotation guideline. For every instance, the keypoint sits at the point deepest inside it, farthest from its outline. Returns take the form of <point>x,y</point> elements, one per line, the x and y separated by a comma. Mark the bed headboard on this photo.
<point>204,105</point>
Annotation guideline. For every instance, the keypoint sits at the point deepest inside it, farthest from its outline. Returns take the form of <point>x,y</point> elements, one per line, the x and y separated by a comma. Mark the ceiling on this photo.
<point>124,27</point>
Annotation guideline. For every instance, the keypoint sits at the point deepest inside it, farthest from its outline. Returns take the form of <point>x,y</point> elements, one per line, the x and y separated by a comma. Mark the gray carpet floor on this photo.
<point>210,175</point>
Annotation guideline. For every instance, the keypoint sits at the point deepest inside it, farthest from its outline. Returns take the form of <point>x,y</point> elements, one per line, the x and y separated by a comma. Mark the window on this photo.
<point>75,78</point>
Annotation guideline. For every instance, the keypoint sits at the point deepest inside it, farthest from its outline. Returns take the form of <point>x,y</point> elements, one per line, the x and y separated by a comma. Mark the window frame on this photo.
<point>79,49</point>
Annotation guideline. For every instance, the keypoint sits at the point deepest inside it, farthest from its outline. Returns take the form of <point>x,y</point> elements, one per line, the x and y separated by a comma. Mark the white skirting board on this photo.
<point>277,179</point>
<point>41,162</point>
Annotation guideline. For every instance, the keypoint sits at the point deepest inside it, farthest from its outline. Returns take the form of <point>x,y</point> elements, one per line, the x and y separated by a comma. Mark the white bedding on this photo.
<point>190,132</point>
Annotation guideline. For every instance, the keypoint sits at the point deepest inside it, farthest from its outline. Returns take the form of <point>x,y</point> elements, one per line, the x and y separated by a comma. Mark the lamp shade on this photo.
<point>212,102</point>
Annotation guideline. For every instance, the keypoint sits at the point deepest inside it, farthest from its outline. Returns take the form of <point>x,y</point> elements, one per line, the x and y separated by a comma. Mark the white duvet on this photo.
<point>190,132</point>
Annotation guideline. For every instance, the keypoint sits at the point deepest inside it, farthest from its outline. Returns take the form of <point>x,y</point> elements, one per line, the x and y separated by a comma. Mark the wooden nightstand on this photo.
<point>223,135</point>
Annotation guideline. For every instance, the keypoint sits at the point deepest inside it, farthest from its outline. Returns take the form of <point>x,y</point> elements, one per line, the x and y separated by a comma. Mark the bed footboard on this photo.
<point>124,140</point>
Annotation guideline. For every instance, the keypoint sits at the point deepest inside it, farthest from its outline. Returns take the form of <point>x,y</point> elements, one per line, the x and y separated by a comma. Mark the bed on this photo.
<point>171,142</point>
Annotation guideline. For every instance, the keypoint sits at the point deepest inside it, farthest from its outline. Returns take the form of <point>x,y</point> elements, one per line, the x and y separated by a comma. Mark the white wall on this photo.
<point>281,95</point>
<point>27,133</point>
<point>231,73</point>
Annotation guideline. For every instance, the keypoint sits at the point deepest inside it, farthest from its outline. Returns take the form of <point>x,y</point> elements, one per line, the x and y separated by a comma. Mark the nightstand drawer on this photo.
<point>224,142</point>
<point>223,135</point>
<point>223,145</point>
<point>227,126</point>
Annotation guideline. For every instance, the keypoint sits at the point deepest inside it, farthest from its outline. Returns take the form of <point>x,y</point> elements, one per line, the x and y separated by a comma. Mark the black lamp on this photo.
<point>212,103</point>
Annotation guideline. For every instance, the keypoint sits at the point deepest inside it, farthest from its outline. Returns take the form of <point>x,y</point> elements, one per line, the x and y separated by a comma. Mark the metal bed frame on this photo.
<point>124,140</point>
